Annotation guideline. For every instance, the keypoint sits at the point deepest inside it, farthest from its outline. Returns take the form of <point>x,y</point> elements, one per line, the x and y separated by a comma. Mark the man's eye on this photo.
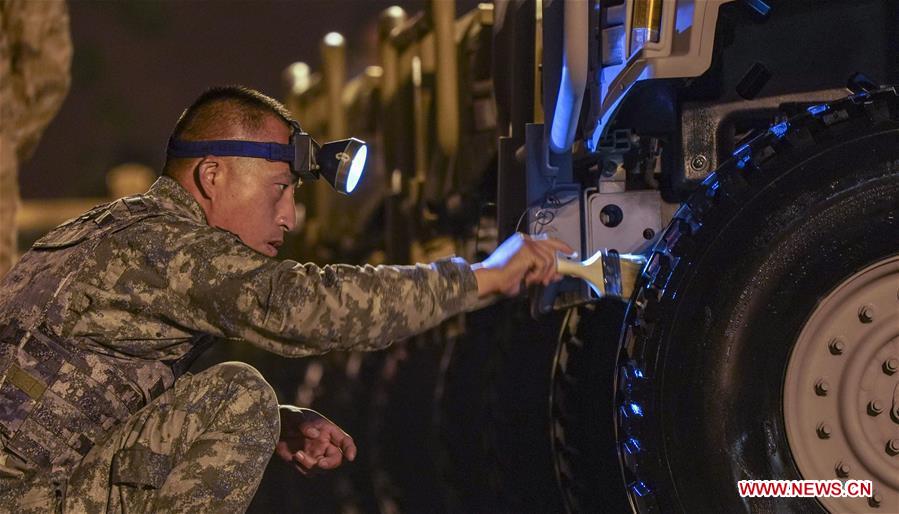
<point>282,187</point>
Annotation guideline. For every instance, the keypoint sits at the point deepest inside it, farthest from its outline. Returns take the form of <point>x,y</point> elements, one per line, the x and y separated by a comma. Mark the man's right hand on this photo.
<point>312,442</point>
<point>519,259</point>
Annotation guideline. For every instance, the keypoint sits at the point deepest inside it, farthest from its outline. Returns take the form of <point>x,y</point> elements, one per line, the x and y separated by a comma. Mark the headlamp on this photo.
<point>340,162</point>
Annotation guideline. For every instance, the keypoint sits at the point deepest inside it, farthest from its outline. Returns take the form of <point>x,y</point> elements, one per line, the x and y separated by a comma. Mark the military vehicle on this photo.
<point>746,152</point>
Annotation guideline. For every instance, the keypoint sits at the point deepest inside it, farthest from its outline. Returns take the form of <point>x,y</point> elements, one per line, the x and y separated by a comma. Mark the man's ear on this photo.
<point>207,175</point>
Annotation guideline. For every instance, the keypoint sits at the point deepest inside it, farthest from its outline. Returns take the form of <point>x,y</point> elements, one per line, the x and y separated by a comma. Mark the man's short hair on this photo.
<point>219,110</point>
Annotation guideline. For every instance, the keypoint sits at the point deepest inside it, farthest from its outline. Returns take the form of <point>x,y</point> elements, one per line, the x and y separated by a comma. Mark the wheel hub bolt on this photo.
<point>866,313</point>
<point>824,431</point>
<point>821,387</point>
<point>893,447</point>
<point>837,346</point>
<point>842,469</point>
<point>890,366</point>
<point>699,162</point>
<point>875,500</point>
<point>874,407</point>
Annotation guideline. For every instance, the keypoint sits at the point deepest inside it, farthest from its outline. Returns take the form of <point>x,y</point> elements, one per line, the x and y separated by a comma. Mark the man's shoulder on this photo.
<point>111,221</point>
<point>140,232</point>
<point>158,226</point>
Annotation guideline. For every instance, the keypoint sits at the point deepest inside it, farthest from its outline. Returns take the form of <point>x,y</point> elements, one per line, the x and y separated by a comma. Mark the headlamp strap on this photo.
<point>231,148</point>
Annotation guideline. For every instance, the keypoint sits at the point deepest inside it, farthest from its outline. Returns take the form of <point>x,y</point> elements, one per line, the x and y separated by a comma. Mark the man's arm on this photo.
<point>519,260</point>
<point>204,280</point>
<point>175,278</point>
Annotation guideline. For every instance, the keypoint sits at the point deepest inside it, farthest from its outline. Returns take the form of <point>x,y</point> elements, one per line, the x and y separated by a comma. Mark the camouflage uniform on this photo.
<point>103,315</point>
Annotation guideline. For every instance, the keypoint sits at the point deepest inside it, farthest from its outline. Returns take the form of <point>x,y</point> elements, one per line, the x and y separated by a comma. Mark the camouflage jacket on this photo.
<point>105,311</point>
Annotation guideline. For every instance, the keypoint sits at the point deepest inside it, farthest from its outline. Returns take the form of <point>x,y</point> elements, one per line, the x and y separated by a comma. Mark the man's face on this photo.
<point>254,198</point>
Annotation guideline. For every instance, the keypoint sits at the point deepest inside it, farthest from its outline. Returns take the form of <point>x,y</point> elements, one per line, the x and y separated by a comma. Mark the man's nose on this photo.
<point>287,216</point>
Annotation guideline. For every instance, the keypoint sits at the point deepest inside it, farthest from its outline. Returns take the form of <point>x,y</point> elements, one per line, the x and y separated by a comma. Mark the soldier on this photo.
<point>101,318</point>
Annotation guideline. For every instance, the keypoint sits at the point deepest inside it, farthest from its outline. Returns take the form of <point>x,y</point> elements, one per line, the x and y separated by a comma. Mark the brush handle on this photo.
<point>589,270</point>
<point>607,272</point>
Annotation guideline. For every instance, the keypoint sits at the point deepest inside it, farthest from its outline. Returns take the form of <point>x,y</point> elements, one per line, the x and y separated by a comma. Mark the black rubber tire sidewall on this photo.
<point>732,313</point>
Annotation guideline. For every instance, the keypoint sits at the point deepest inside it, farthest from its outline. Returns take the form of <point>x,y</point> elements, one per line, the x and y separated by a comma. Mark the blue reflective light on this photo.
<point>638,372</point>
<point>632,446</point>
<point>606,75</point>
<point>743,155</point>
<point>759,6</point>
<point>636,409</point>
<point>712,177</point>
<point>684,18</point>
<point>356,169</point>
<point>780,129</point>
<point>566,104</point>
<point>744,149</point>
<point>818,109</point>
<point>640,488</point>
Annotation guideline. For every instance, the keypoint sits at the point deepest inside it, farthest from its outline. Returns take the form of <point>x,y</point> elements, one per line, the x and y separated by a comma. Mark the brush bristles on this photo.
<point>631,268</point>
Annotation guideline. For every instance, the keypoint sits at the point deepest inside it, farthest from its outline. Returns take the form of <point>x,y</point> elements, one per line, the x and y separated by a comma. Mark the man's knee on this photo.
<point>240,373</point>
<point>253,397</point>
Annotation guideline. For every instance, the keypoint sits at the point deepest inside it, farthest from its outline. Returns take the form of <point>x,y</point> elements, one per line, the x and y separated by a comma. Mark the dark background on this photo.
<point>138,64</point>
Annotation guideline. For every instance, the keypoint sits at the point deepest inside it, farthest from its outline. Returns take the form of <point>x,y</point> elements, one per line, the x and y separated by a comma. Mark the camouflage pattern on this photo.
<point>35,57</point>
<point>104,313</point>
<point>201,446</point>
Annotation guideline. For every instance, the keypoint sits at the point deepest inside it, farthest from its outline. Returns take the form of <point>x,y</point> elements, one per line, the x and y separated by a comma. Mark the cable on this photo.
<point>548,204</point>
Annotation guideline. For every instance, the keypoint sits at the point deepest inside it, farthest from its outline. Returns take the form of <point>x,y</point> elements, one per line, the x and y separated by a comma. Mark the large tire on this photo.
<point>517,427</point>
<point>581,431</point>
<point>726,294</point>
<point>459,423</point>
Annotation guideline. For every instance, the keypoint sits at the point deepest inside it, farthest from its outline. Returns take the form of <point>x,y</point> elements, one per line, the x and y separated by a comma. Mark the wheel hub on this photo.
<point>841,391</point>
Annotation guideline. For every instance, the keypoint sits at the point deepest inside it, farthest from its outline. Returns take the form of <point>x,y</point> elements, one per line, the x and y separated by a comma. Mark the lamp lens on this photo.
<point>356,169</point>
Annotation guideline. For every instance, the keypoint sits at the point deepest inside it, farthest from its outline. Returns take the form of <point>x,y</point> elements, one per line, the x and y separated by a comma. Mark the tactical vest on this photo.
<point>58,400</point>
